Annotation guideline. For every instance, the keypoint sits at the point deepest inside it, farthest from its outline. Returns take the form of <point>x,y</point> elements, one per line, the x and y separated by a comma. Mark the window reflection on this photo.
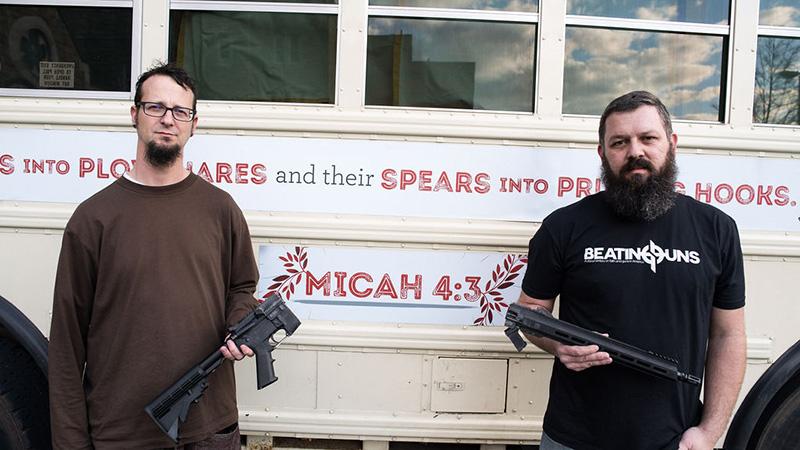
<point>489,5</point>
<point>684,70</point>
<point>280,57</point>
<point>777,93</point>
<point>450,64</point>
<point>709,11</point>
<point>46,47</point>
<point>779,13</point>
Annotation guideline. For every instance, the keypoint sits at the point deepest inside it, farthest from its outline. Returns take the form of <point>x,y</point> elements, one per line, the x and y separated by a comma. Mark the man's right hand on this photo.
<point>580,357</point>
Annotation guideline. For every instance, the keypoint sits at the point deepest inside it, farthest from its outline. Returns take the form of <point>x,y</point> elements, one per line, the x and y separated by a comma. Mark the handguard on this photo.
<point>542,323</point>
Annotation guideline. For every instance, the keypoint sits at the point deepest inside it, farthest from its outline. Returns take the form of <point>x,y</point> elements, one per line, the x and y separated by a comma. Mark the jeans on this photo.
<point>549,444</point>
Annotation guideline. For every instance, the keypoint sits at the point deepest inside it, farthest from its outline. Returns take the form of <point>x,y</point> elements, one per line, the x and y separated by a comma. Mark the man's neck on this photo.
<point>148,175</point>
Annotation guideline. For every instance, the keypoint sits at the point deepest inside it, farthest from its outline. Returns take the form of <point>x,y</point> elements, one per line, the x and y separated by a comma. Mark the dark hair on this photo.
<point>632,101</point>
<point>176,73</point>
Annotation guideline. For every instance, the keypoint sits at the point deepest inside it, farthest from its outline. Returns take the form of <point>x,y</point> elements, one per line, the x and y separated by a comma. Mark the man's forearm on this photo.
<point>725,366</point>
<point>546,344</point>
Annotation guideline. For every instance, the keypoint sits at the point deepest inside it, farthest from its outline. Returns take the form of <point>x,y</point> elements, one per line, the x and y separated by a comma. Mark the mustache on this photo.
<point>637,163</point>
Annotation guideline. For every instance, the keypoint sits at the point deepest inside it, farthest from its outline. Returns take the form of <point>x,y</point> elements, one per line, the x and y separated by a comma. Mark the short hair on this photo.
<point>632,101</point>
<point>171,70</point>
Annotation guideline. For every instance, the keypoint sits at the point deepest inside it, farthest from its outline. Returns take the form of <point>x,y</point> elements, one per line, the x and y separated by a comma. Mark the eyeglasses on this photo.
<point>158,110</point>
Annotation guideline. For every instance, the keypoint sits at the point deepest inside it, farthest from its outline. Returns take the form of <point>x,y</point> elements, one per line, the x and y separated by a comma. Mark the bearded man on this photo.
<point>649,267</point>
<point>153,269</point>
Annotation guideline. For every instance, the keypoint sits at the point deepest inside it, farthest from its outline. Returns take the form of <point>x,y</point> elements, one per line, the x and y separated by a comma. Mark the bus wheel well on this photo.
<point>24,409</point>
<point>769,417</point>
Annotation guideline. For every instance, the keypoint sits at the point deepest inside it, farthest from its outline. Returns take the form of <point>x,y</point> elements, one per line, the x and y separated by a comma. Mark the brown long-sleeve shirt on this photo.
<point>148,280</point>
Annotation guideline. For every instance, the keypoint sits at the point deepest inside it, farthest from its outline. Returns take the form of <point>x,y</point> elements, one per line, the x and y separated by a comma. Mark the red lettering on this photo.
<point>541,186</point>
<point>115,166</point>
<point>425,180</point>
<point>86,165</point>
<point>782,194</point>
<point>224,171</point>
<point>584,187</point>
<point>442,288</point>
<point>241,173</point>
<point>680,188</point>
<point>323,283</point>
<point>750,194</point>
<point>482,182</point>
<point>764,195</point>
<point>723,193</point>
<point>354,289</point>
<point>38,166</point>
<point>385,287</point>
<point>565,184</point>
<point>340,276</point>
<point>702,192</point>
<point>407,178</point>
<point>405,286</point>
<point>100,173</point>
<point>474,290</point>
<point>463,181</point>
<point>528,182</point>
<point>204,172</point>
<point>62,167</point>
<point>6,164</point>
<point>259,174</point>
<point>443,183</point>
<point>389,181</point>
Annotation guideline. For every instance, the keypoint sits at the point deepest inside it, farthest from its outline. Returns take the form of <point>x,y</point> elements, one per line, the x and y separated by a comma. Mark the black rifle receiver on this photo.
<point>256,330</point>
<point>542,323</point>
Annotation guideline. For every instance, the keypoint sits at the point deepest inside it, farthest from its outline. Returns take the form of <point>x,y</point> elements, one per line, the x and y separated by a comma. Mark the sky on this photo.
<point>685,70</point>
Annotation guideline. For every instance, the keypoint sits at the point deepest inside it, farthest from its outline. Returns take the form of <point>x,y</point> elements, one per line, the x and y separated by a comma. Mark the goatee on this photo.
<point>162,155</point>
<point>641,198</point>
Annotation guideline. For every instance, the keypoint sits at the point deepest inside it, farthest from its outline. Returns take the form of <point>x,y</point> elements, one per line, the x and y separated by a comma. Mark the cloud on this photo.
<point>602,64</point>
<point>653,13</point>
<point>688,95</point>
<point>502,53</point>
<point>612,44</point>
<point>781,16</point>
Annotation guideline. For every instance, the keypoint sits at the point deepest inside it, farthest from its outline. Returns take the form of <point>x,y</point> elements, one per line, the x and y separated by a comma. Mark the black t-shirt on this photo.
<point>650,284</point>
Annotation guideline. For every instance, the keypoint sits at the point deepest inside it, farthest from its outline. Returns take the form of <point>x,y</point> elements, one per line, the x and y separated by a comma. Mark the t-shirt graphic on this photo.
<point>651,254</point>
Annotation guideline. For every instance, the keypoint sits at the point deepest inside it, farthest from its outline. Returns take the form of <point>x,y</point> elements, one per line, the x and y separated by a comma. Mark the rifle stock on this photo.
<point>171,407</point>
<point>543,324</point>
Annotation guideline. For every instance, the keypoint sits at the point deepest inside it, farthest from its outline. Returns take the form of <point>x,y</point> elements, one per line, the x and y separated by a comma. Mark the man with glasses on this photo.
<point>650,267</point>
<point>153,269</point>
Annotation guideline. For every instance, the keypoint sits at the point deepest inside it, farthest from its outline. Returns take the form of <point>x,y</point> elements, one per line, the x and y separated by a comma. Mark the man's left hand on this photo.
<point>696,439</point>
<point>230,351</point>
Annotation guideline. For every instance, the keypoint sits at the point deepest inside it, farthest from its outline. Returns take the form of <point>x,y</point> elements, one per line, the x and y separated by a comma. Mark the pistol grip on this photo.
<point>513,334</point>
<point>265,371</point>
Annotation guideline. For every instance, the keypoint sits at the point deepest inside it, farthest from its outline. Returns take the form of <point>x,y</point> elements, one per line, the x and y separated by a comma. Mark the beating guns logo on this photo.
<point>651,254</point>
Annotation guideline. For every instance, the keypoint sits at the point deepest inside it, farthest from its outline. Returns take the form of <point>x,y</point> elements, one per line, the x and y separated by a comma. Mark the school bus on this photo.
<point>393,158</point>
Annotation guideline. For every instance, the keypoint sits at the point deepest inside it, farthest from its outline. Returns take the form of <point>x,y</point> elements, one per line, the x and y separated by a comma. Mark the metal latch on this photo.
<point>449,385</point>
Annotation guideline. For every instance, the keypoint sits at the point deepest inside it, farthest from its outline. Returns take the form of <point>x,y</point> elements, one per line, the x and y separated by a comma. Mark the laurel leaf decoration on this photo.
<point>295,266</point>
<point>492,297</point>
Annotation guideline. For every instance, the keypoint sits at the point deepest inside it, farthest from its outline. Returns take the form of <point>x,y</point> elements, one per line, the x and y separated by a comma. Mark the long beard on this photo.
<point>162,155</point>
<point>640,198</point>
